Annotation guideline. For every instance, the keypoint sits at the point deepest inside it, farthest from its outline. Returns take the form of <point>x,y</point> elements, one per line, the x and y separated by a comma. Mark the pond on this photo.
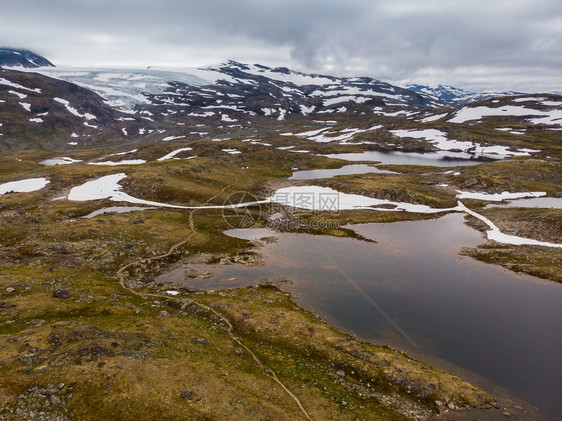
<point>500,325</point>
<point>345,170</point>
<point>437,159</point>
<point>536,202</point>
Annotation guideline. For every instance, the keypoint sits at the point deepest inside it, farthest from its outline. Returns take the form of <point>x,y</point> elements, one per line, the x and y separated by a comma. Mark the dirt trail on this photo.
<point>230,330</point>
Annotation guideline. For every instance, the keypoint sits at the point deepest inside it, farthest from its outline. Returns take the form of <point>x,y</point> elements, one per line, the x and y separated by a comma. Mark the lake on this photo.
<point>437,159</point>
<point>503,326</point>
<point>345,170</point>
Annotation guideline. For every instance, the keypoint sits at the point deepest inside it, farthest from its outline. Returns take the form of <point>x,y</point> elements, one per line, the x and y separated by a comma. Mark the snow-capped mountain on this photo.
<point>35,109</point>
<point>234,91</point>
<point>265,91</point>
<point>10,57</point>
<point>456,95</point>
<point>122,88</point>
<point>89,107</point>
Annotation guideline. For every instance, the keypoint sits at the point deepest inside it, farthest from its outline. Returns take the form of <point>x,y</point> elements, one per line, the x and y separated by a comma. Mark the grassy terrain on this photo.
<point>104,351</point>
<point>538,224</point>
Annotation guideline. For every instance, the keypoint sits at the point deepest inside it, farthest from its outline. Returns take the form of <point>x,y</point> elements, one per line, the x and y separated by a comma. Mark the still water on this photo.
<point>536,202</point>
<point>437,159</point>
<point>503,326</point>
<point>345,170</point>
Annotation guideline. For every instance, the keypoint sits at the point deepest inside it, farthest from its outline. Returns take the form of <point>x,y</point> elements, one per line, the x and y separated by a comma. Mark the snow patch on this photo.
<point>11,84</point>
<point>18,94</point>
<point>73,110</point>
<point>174,153</point>
<point>23,186</point>
<point>124,162</point>
<point>476,113</point>
<point>326,199</point>
<point>168,138</point>
<point>496,235</point>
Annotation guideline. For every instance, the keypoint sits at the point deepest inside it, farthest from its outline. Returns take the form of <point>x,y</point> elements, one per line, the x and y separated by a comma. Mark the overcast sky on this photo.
<point>474,44</point>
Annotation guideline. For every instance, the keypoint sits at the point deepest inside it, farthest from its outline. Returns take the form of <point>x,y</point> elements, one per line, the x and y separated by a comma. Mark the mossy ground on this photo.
<point>119,359</point>
<point>538,224</point>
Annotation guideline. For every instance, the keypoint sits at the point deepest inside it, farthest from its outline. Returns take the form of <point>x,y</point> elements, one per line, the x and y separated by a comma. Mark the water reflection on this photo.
<point>501,325</point>
<point>437,159</point>
<point>345,170</point>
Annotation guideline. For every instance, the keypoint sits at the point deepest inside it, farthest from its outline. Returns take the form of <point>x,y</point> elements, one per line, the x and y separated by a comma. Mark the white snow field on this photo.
<point>124,162</point>
<point>465,114</point>
<point>172,154</point>
<point>319,198</point>
<point>23,186</point>
<point>440,140</point>
<point>496,235</point>
<point>108,187</point>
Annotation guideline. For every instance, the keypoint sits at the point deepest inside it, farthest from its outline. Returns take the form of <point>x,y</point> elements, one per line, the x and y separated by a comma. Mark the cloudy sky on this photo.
<point>476,44</point>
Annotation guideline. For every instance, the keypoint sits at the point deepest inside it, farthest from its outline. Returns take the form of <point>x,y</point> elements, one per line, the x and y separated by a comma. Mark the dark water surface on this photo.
<point>502,326</point>
<point>345,170</point>
<point>437,159</point>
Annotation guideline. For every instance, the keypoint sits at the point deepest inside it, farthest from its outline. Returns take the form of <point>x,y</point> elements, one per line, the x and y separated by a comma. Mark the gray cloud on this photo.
<point>501,44</point>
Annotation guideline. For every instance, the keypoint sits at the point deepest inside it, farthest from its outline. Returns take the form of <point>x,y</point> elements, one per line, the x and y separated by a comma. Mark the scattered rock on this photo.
<point>5,305</point>
<point>163,313</point>
<point>506,414</point>
<point>186,394</point>
<point>61,293</point>
<point>239,351</point>
<point>9,290</point>
<point>186,304</point>
<point>55,400</point>
<point>199,341</point>
<point>54,340</point>
<point>340,373</point>
<point>48,392</point>
<point>28,359</point>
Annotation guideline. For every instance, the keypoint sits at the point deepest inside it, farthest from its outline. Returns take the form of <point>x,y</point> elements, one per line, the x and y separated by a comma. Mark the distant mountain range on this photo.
<point>333,90</point>
<point>457,95</point>
<point>53,107</point>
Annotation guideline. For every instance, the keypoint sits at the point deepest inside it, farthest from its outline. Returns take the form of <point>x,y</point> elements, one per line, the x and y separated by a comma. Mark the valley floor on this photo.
<point>85,333</point>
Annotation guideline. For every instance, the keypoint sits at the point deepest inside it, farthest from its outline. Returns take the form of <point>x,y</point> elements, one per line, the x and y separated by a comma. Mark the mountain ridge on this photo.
<point>457,95</point>
<point>13,57</point>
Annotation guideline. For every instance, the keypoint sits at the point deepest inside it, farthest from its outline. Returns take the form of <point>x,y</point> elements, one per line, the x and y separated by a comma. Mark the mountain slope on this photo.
<point>40,112</point>
<point>10,57</point>
<point>265,91</point>
<point>236,91</point>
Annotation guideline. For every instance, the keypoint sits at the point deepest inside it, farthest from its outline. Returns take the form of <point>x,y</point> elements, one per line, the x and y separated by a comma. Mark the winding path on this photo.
<point>230,330</point>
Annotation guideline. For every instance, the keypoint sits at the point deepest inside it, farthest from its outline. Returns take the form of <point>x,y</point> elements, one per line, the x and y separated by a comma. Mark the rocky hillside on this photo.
<point>40,112</point>
<point>10,57</point>
<point>62,108</point>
